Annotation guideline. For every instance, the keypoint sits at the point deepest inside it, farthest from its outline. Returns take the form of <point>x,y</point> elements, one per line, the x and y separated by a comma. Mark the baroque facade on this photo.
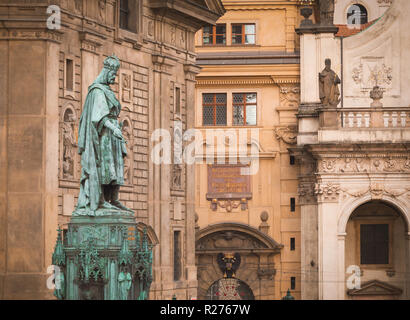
<point>249,84</point>
<point>354,157</point>
<point>46,73</point>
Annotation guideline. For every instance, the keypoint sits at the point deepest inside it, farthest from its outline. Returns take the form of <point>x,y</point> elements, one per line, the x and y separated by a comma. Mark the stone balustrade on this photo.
<point>362,118</point>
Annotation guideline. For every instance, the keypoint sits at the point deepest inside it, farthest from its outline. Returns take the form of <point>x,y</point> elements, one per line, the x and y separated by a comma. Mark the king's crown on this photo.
<point>112,63</point>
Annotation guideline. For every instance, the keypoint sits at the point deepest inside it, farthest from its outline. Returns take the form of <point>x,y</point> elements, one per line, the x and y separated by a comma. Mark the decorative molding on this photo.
<point>38,34</point>
<point>372,71</point>
<point>360,164</point>
<point>266,273</point>
<point>306,192</point>
<point>287,134</point>
<point>327,192</point>
<point>376,190</point>
<point>235,81</point>
<point>289,96</point>
<point>229,204</point>
<point>375,288</point>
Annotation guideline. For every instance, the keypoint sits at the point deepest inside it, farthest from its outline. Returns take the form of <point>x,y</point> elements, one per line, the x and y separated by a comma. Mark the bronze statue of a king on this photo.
<point>102,147</point>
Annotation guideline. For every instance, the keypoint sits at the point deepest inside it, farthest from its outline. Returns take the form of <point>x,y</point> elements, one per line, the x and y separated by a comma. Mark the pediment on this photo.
<point>375,288</point>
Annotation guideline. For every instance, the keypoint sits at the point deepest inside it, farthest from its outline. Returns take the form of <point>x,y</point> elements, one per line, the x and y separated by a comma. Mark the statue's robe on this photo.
<point>101,152</point>
<point>328,88</point>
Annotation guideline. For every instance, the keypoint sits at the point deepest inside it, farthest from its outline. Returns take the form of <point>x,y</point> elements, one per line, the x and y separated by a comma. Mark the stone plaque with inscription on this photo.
<point>225,182</point>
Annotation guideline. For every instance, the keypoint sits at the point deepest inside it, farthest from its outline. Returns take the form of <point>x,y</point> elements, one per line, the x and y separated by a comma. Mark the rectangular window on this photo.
<point>292,160</point>
<point>177,100</point>
<point>214,109</point>
<point>244,109</point>
<point>244,33</point>
<point>292,244</point>
<point>374,244</point>
<point>292,205</point>
<point>69,74</point>
<point>212,35</point>
<point>177,255</point>
<point>124,14</point>
<point>129,15</point>
<point>292,283</point>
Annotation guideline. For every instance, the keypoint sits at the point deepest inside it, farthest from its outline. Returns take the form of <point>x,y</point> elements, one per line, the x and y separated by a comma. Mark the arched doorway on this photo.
<point>233,258</point>
<point>377,245</point>
<point>229,289</point>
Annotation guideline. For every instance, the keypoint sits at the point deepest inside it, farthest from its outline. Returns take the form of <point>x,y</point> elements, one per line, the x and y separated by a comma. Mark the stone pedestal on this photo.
<point>103,258</point>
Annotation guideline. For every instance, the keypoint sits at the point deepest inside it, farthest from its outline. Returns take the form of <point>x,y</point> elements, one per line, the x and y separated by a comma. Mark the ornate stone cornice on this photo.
<point>163,63</point>
<point>90,41</point>
<point>235,81</point>
<point>191,70</point>
<point>32,34</point>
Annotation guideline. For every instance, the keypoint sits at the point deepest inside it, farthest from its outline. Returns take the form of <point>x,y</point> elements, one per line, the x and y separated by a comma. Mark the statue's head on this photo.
<point>111,66</point>
<point>328,64</point>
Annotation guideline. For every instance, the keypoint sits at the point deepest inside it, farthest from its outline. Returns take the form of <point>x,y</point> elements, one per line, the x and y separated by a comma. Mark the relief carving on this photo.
<point>126,87</point>
<point>127,134</point>
<point>371,72</point>
<point>289,96</point>
<point>101,9</point>
<point>228,240</point>
<point>69,143</point>
<point>287,134</point>
<point>327,192</point>
<point>306,192</point>
<point>376,190</point>
<point>360,164</point>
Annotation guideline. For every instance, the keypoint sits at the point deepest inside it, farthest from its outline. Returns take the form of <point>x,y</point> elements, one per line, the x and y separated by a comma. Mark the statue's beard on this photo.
<point>104,77</point>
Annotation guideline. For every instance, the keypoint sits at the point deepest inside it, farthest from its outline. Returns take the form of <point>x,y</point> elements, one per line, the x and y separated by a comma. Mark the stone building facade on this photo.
<point>45,75</point>
<point>354,156</point>
<point>249,82</point>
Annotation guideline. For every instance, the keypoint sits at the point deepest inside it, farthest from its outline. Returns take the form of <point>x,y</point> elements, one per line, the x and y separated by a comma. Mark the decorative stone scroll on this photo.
<point>227,187</point>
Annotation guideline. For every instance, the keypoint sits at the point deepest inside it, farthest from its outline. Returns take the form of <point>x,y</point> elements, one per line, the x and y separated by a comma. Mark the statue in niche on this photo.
<point>126,131</point>
<point>69,144</point>
<point>102,147</point>
<point>329,86</point>
<point>327,10</point>
<point>176,175</point>
<point>124,284</point>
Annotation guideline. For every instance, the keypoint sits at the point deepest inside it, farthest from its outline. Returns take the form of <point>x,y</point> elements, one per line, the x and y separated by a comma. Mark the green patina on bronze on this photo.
<point>105,255</point>
<point>101,146</point>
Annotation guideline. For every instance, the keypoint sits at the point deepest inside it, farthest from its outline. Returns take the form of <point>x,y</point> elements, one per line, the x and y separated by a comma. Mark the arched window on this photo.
<point>357,14</point>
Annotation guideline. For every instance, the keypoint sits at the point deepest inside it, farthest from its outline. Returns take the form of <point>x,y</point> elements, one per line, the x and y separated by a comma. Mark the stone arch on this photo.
<point>150,232</point>
<point>69,112</point>
<point>264,240</point>
<point>348,209</point>
<point>250,244</point>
